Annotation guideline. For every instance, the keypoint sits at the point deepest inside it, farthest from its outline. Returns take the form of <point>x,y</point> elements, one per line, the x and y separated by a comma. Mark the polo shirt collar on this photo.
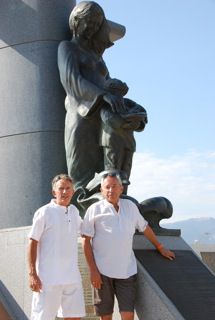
<point>107,203</point>
<point>57,205</point>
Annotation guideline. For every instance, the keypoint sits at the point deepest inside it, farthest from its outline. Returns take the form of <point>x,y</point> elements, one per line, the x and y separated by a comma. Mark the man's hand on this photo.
<point>150,235</point>
<point>166,253</point>
<point>34,282</point>
<point>96,279</point>
<point>95,276</point>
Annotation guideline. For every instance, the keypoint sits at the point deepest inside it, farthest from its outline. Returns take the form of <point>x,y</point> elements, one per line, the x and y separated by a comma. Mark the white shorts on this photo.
<point>64,301</point>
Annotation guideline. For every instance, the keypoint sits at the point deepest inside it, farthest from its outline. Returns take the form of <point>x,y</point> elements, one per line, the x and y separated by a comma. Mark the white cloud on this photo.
<point>188,181</point>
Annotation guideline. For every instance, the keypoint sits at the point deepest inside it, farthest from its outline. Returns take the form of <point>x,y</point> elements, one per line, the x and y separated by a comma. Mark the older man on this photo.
<point>52,255</point>
<point>108,229</point>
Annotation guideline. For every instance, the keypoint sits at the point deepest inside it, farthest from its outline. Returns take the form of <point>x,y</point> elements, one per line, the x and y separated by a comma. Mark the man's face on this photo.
<point>111,189</point>
<point>63,192</point>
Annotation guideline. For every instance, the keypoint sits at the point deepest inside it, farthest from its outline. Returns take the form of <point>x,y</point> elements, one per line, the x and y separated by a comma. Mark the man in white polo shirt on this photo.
<point>54,276</point>
<point>108,229</point>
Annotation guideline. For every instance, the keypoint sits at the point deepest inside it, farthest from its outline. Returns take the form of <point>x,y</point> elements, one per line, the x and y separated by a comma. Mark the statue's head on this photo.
<point>86,19</point>
<point>88,23</point>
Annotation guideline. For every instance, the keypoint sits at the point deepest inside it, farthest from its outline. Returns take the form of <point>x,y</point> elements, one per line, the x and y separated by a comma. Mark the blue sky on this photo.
<point>167,59</point>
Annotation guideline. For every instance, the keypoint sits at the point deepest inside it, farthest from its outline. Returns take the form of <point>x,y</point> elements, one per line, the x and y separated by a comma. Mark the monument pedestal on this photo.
<point>182,289</point>
<point>15,295</point>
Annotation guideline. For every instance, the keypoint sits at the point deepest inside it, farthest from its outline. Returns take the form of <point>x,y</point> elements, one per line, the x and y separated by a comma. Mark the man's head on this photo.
<point>111,187</point>
<point>62,189</point>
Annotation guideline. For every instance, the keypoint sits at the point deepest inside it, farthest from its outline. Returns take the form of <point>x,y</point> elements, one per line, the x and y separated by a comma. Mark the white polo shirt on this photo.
<point>56,228</point>
<point>112,236</point>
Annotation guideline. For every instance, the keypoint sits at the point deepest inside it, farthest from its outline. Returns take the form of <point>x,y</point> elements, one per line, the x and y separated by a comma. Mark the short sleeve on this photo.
<point>37,226</point>
<point>141,223</point>
<point>79,220</point>
<point>88,227</point>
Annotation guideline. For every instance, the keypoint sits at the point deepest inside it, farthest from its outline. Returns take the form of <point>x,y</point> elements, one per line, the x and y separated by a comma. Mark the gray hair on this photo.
<point>114,174</point>
<point>61,176</point>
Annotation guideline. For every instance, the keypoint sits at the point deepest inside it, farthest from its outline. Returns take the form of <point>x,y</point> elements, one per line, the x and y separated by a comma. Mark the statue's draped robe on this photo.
<point>82,74</point>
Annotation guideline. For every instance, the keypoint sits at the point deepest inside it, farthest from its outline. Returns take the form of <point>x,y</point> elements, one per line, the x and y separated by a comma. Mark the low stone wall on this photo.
<point>15,295</point>
<point>14,292</point>
<point>152,303</point>
<point>168,289</point>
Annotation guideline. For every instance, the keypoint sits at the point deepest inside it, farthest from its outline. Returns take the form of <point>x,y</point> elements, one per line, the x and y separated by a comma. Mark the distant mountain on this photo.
<point>194,230</point>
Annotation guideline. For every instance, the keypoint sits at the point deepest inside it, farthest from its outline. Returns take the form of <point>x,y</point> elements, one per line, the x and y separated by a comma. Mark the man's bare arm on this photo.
<point>150,235</point>
<point>95,276</point>
<point>34,281</point>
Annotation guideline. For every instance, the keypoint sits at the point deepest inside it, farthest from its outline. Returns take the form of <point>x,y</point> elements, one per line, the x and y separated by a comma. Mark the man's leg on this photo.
<point>72,302</point>
<point>45,304</point>
<point>126,315</point>
<point>104,308</point>
<point>126,296</point>
<point>106,317</point>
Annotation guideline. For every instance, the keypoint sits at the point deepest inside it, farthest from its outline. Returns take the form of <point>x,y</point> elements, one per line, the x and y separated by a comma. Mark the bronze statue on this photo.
<point>100,121</point>
<point>87,83</point>
<point>117,138</point>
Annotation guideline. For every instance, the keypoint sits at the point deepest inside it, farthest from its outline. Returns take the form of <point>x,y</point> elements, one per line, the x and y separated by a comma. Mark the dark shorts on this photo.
<point>123,289</point>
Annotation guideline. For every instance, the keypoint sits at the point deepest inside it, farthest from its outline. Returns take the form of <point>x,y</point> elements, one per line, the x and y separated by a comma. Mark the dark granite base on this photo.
<point>185,281</point>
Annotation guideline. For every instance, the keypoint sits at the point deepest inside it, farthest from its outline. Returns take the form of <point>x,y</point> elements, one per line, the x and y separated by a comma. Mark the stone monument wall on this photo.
<point>31,105</point>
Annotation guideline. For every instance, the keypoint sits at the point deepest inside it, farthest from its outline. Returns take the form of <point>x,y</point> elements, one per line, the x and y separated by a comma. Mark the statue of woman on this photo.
<point>83,73</point>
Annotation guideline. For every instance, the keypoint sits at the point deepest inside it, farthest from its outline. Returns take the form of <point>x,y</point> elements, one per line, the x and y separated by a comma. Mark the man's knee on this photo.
<point>127,315</point>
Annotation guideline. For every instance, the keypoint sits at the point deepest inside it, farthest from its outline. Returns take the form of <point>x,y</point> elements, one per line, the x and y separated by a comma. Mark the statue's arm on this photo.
<point>87,94</point>
<point>75,85</point>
